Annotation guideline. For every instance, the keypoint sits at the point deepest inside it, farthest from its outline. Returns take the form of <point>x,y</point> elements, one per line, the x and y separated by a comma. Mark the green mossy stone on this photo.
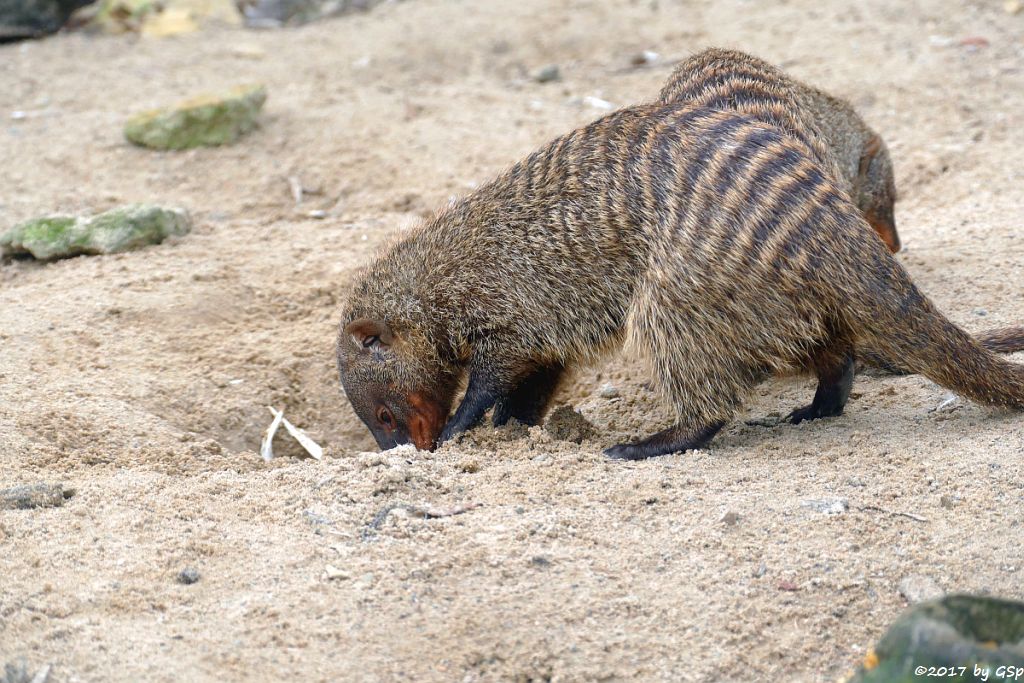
<point>122,229</point>
<point>205,121</point>
<point>976,633</point>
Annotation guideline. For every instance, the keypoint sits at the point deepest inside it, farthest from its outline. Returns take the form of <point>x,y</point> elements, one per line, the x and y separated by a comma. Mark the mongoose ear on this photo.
<point>370,334</point>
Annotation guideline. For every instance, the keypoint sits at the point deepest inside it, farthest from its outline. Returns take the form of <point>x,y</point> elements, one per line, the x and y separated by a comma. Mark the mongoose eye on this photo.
<point>370,341</point>
<point>385,417</point>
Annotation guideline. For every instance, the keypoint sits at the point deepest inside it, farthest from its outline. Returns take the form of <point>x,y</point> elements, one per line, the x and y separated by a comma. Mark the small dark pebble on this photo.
<point>188,576</point>
<point>540,561</point>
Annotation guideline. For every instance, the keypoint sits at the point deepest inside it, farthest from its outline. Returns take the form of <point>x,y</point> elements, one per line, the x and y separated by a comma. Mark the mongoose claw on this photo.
<point>803,415</point>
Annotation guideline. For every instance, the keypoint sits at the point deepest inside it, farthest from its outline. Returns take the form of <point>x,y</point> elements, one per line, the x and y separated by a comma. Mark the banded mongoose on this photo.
<point>713,244</point>
<point>837,136</point>
<point>831,128</point>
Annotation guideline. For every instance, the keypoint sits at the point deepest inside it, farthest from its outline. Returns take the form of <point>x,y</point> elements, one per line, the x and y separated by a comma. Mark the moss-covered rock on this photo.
<point>958,639</point>
<point>204,121</point>
<point>122,229</point>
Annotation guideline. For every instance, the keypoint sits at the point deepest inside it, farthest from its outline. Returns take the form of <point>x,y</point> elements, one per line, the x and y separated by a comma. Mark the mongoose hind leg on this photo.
<point>528,402</point>
<point>675,439</point>
<point>835,368</point>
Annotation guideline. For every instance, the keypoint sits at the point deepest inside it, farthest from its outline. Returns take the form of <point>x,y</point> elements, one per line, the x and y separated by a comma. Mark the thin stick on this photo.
<point>916,518</point>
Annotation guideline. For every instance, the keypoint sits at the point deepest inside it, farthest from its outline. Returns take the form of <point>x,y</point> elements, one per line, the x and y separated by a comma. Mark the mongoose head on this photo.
<point>875,191</point>
<point>396,384</point>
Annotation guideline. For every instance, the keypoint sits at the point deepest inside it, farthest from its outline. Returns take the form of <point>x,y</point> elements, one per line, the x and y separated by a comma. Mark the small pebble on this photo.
<point>598,103</point>
<point>332,573</point>
<point>730,518</point>
<point>917,588</point>
<point>608,390</point>
<point>645,58</point>
<point>548,74</point>
<point>188,576</point>
<point>469,466</point>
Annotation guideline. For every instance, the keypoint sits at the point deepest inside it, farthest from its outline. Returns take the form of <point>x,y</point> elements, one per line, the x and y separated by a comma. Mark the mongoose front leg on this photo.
<point>481,395</point>
<point>672,440</point>
<point>835,379</point>
<point>529,400</point>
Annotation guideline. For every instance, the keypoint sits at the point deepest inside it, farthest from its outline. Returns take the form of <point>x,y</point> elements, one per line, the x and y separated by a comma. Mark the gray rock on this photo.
<point>548,74</point>
<point>917,588</point>
<point>122,229</point>
<point>277,13</point>
<point>31,496</point>
<point>608,390</point>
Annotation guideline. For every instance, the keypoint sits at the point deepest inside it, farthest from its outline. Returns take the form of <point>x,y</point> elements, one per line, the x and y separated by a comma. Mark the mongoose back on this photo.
<point>713,244</point>
<point>729,79</point>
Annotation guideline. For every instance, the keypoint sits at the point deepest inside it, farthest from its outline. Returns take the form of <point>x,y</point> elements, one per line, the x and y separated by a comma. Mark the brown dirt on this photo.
<point>141,380</point>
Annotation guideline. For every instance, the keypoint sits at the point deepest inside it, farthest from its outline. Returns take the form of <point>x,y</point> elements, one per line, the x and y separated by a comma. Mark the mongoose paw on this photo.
<point>672,440</point>
<point>628,451</point>
<point>811,412</point>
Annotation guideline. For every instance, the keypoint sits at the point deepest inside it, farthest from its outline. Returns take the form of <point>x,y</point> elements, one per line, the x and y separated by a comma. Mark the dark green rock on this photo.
<point>205,121</point>
<point>122,229</point>
<point>958,639</point>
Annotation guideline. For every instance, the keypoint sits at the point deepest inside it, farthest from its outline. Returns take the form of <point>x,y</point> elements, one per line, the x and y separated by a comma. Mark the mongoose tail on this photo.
<point>928,343</point>
<point>1003,340</point>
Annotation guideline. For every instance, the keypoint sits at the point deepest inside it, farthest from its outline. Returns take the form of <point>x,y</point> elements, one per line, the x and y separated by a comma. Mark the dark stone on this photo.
<point>21,19</point>
<point>188,576</point>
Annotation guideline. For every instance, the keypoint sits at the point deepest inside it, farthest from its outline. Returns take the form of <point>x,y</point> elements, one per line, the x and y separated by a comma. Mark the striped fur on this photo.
<point>829,126</point>
<point>717,245</point>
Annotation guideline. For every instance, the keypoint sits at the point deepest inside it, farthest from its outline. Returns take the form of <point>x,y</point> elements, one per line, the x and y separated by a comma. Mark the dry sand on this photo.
<point>141,380</point>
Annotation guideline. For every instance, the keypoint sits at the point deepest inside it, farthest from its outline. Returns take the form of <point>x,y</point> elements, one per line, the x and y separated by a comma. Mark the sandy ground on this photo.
<point>141,380</point>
